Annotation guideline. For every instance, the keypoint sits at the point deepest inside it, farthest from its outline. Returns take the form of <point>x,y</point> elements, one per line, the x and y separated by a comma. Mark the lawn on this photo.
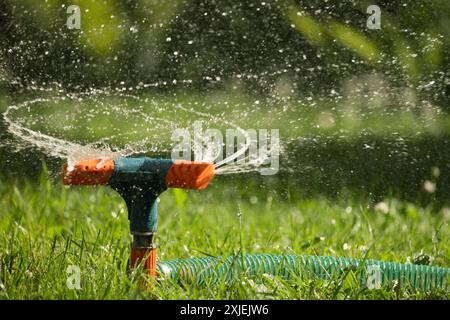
<point>349,186</point>
<point>45,227</point>
<point>357,93</point>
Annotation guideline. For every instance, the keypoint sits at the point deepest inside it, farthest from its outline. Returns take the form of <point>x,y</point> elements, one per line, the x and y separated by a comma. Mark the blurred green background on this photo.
<point>321,43</point>
<point>370,105</point>
<point>363,117</point>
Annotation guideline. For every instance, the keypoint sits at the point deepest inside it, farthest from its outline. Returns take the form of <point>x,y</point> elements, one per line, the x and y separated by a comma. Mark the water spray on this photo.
<point>141,180</point>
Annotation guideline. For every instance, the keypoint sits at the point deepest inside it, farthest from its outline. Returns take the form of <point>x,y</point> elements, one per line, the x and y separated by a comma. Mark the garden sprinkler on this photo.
<point>140,181</point>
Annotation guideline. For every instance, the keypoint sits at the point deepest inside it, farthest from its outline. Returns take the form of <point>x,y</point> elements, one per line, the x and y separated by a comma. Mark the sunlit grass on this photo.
<point>45,227</point>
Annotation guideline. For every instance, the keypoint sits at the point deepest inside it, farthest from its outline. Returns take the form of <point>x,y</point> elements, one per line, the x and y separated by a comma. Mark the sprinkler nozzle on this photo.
<point>190,175</point>
<point>88,172</point>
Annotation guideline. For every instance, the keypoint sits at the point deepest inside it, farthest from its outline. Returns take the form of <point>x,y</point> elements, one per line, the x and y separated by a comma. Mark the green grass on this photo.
<point>45,227</point>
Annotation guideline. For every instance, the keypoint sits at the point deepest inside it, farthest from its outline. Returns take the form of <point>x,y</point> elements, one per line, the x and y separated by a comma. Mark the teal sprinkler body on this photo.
<point>141,180</point>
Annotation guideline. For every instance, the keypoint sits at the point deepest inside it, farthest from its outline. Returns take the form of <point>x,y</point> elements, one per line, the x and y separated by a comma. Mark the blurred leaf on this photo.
<point>307,26</point>
<point>406,57</point>
<point>355,41</point>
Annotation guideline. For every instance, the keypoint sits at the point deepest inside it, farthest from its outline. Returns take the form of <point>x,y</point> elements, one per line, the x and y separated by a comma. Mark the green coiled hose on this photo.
<point>210,269</point>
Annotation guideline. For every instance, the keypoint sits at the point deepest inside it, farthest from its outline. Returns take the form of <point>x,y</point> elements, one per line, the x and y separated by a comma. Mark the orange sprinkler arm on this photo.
<point>89,172</point>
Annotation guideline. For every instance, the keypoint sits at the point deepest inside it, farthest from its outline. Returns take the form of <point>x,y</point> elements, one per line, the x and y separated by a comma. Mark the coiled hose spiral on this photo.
<point>210,269</point>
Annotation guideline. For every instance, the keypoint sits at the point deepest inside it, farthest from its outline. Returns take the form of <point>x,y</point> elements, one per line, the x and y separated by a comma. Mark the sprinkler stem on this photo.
<point>143,240</point>
<point>143,249</point>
